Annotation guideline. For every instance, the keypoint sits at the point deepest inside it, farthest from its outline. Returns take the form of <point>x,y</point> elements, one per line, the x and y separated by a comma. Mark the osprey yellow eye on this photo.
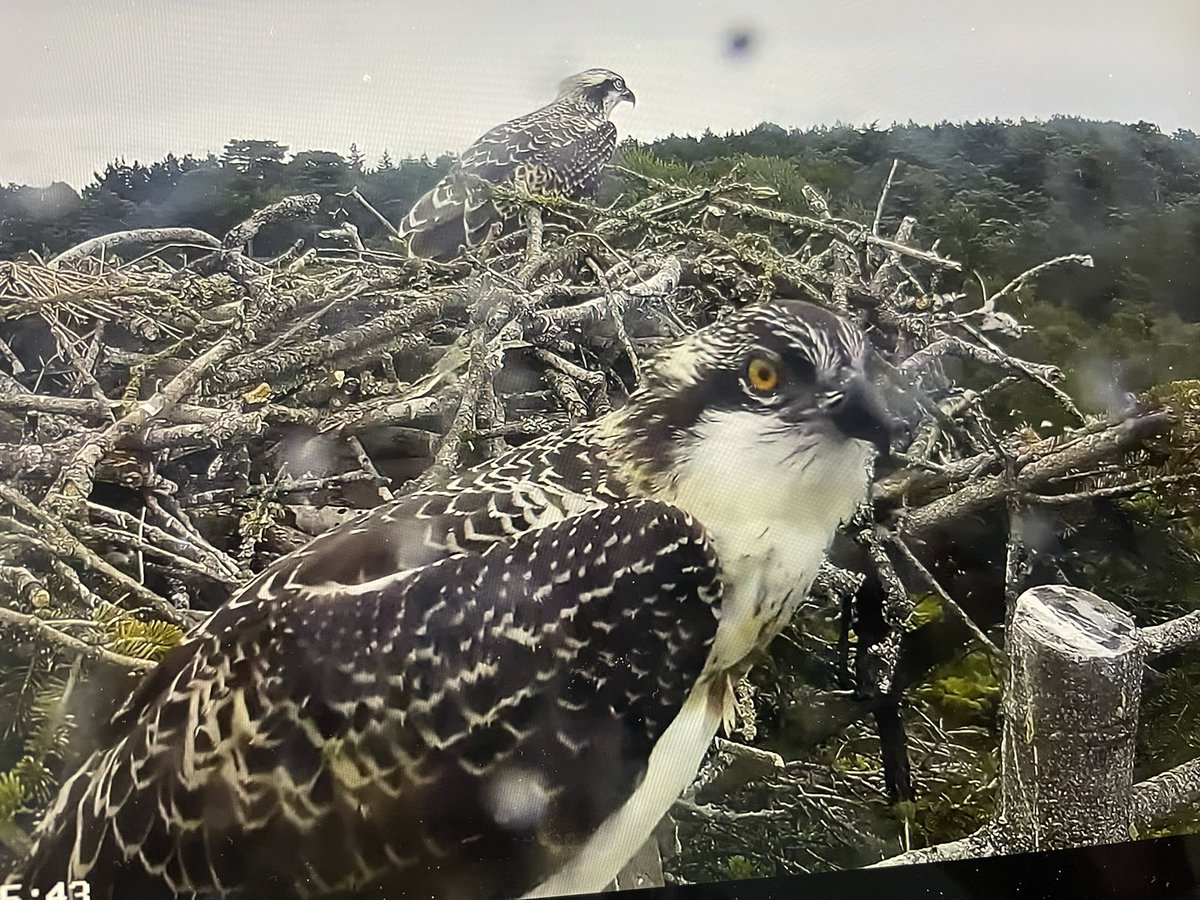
<point>762,374</point>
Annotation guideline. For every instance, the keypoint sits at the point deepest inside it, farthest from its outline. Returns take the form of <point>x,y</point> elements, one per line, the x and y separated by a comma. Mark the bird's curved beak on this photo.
<point>627,94</point>
<point>863,415</point>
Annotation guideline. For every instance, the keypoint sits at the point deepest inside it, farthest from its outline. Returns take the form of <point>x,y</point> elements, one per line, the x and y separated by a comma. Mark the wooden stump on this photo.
<point>1071,713</point>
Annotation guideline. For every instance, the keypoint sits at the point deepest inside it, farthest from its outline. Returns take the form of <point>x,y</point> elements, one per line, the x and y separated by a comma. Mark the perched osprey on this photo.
<point>558,149</point>
<point>497,687</point>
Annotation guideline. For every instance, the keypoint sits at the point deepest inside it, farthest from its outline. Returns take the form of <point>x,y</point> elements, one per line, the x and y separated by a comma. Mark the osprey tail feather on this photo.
<point>450,216</point>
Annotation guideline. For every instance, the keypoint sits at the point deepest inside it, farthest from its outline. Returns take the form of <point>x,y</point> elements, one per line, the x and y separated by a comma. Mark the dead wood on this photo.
<point>109,243</point>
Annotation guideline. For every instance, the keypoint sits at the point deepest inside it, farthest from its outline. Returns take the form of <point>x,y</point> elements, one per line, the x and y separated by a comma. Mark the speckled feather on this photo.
<point>459,695</point>
<point>479,717</point>
<point>560,148</point>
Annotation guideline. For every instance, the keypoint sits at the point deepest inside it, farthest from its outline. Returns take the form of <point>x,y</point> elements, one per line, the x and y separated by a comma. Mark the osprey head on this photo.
<point>763,427</point>
<point>600,88</point>
<point>786,380</point>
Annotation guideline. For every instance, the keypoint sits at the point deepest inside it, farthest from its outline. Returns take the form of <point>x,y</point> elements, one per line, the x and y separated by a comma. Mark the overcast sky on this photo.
<point>86,81</point>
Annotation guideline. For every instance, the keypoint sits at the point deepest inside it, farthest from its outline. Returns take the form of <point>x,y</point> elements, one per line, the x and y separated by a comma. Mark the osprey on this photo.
<point>558,149</point>
<point>497,687</point>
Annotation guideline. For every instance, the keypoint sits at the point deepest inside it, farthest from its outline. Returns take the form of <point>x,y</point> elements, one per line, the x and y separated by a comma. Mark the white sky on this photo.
<point>86,81</point>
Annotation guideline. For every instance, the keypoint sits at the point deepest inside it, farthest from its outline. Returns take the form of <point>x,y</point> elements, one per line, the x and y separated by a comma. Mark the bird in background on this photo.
<point>558,149</point>
<point>496,687</point>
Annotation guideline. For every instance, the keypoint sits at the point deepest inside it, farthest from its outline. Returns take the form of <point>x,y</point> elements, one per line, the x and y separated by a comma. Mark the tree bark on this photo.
<point>1070,720</point>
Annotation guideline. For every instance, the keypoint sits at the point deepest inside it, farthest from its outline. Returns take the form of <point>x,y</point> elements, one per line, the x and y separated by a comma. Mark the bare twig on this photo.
<point>74,483</point>
<point>379,217</point>
<point>616,313</point>
<point>1038,467</point>
<point>1159,640</point>
<point>950,602</point>
<point>365,463</point>
<point>887,186</point>
<point>66,343</point>
<point>108,243</point>
<point>294,207</point>
<point>31,622</point>
<point>1083,259</point>
<point>483,364</point>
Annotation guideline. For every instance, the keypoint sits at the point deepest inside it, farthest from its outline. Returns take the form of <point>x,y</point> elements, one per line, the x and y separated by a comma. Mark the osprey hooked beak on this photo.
<point>861,414</point>
<point>627,94</point>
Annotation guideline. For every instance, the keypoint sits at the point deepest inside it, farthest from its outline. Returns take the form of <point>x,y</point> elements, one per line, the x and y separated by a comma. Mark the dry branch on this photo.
<point>887,186</point>
<point>55,537</point>
<point>74,483</point>
<point>108,243</point>
<point>301,205</point>
<point>1169,637</point>
<point>932,583</point>
<point>30,622</point>
<point>988,841</point>
<point>379,217</point>
<point>1040,467</point>
<point>1156,798</point>
<point>1013,286</point>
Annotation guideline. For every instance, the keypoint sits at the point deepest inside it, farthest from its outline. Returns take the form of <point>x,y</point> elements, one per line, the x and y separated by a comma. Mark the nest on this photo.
<point>175,414</point>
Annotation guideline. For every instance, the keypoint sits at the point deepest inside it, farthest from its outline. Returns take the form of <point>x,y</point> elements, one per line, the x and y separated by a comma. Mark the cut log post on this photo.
<point>1070,721</point>
<point>1071,713</point>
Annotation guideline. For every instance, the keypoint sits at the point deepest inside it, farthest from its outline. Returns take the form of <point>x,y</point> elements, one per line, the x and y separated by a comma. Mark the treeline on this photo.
<point>211,193</point>
<point>1000,196</point>
<point>1003,197</point>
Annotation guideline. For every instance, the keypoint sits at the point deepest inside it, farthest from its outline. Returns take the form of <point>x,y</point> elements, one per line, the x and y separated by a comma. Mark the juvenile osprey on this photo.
<point>558,149</point>
<point>494,688</point>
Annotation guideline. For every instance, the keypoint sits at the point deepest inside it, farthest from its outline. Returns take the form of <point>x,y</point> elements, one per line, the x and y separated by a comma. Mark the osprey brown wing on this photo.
<point>456,732</point>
